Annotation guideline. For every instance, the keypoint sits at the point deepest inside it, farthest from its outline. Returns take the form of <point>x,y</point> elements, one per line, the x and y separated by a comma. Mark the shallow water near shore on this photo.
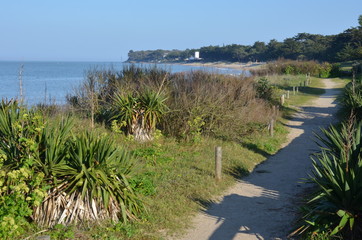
<point>50,82</point>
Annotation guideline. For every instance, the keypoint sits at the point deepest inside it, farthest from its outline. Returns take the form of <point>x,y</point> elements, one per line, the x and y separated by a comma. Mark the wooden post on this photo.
<point>218,163</point>
<point>282,99</point>
<point>271,127</point>
<point>309,80</point>
<point>274,111</point>
<point>297,89</point>
<point>288,94</point>
<point>293,90</point>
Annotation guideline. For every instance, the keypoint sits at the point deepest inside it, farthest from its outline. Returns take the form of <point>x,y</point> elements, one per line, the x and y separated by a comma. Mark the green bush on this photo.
<point>294,68</point>
<point>337,207</point>
<point>351,99</point>
<point>325,70</point>
<point>51,176</point>
<point>22,186</point>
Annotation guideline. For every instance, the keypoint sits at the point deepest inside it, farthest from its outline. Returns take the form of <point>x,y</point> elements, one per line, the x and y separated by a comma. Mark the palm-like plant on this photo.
<point>18,130</point>
<point>126,110</point>
<point>337,207</point>
<point>53,146</point>
<point>86,175</point>
<point>95,186</point>
<point>154,107</point>
<point>351,98</point>
<point>140,113</point>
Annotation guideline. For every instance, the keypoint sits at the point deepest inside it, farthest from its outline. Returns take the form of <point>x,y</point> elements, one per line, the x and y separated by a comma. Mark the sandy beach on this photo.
<point>235,65</point>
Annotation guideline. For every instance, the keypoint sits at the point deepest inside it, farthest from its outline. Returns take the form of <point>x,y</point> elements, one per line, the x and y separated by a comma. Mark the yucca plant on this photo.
<point>18,129</point>
<point>53,147</point>
<point>140,113</point>
<point>153,108</point>
<point>95,186</point>
<point>337,207</point>
<point>351,98</point>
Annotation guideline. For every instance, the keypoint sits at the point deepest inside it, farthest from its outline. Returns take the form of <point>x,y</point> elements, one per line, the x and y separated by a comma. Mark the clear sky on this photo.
<point>105,30</point>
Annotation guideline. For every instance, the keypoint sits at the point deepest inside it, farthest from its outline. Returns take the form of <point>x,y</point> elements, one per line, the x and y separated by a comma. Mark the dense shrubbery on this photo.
<point>51,176</point>
<point>295,68</point>
<point>182,105</point>
<point>217,105</point>
<point>351,99</point>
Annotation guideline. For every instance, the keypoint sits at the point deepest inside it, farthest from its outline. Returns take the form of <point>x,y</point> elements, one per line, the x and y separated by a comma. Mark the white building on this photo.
<point>197,55</point>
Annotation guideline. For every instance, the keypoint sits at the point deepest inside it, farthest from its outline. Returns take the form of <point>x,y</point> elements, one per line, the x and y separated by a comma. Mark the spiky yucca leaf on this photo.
<point>96,182</point>
<point>337,206</point>
<point>53,148</point>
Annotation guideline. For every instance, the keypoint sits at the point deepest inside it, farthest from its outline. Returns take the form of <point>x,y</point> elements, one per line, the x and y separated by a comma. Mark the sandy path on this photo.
<point>263,205</point>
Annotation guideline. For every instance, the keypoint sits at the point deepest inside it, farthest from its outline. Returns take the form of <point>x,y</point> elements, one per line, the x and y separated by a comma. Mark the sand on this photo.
<point>236,65</point>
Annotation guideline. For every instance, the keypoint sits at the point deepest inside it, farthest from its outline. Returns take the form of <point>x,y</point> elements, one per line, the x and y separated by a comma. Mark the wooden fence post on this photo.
<point>288,94</point>
<point>271,127</point>
<point>274,111</point>
<point>293,90</point>
<point>297,89</point>
<point>218,163</point>
<point>282,99</point>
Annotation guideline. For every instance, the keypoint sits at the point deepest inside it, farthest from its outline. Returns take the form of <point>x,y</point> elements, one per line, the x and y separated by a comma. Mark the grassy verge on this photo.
<point>175,179</point>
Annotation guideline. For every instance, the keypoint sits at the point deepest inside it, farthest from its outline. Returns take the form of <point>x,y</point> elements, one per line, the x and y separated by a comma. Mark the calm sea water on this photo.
<point>52,81</point>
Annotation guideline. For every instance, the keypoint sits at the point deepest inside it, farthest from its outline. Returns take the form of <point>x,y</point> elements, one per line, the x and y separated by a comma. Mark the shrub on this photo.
<point>264,89</point>
<point>93,187</point>
<point>351,99</point>
<point>51,176</point>
<point>294,68</point>
<point>140,113</point>
<point>21,186</point>
<point>337,206</point>
<point>213,104</point>
<point>142,99</point>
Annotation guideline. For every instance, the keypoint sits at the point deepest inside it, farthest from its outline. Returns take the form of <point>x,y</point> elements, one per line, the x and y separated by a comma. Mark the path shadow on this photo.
<point>265,205</point>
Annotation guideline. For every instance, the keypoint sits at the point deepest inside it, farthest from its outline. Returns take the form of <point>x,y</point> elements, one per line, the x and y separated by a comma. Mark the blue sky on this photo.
<point>105,30</point>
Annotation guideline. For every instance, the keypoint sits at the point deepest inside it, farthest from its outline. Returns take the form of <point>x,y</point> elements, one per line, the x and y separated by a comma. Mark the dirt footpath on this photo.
<point>263,205</point>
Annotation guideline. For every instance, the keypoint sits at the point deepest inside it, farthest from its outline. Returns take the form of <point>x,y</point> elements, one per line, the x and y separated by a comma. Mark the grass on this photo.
<point>175,179</point>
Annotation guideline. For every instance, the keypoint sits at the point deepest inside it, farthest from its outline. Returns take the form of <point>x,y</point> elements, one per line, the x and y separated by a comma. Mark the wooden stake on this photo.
<point>218,163</point>
<point>282,99</point>
<point>271,127</point>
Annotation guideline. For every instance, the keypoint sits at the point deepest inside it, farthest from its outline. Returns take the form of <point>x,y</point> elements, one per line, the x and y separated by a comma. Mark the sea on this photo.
<point>50,82</point>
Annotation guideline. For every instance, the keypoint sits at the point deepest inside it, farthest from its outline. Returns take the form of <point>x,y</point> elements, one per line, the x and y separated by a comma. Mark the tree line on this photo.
<point>304,46</point>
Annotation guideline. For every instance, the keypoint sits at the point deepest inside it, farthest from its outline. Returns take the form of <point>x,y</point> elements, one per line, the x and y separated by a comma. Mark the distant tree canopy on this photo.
<point>304,46</point>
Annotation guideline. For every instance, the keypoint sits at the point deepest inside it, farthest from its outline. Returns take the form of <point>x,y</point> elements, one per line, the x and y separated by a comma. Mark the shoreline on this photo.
<point>234,65</point>
<point>229,65</point>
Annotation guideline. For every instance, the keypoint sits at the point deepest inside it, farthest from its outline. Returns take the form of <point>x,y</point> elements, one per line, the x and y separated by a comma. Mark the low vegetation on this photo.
<point>289,67</point>
<point>132,156</point>
<point>52,176</point>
